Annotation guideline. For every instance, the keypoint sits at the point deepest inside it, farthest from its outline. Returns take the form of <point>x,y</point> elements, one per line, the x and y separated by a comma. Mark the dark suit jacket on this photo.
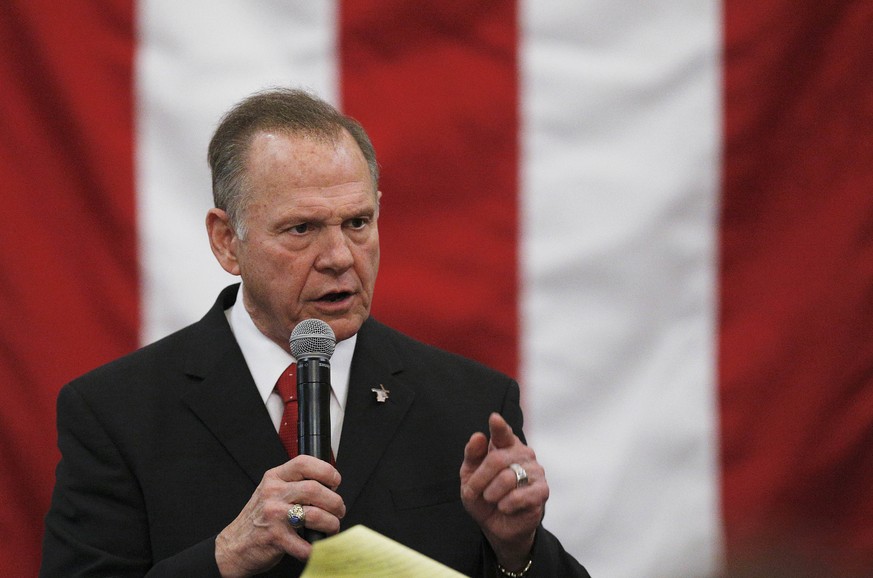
<point>161,449</point>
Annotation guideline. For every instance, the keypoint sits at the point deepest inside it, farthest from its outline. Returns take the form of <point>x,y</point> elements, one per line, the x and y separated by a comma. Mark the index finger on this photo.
<point>305,467</point>
<point>501,432</point>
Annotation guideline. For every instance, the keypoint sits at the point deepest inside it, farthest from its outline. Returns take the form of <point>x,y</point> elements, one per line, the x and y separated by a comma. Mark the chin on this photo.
<point>346,327</point>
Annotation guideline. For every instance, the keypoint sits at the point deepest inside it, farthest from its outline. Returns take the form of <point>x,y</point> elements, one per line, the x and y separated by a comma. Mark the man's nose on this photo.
<point>335,252</point>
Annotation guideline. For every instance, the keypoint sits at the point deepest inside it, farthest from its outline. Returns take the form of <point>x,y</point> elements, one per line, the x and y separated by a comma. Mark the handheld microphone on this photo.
<point>312,344</point>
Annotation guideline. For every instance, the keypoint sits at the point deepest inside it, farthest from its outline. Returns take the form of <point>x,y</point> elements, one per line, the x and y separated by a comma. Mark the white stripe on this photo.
<point>195,59</point>
<point>620,169</point>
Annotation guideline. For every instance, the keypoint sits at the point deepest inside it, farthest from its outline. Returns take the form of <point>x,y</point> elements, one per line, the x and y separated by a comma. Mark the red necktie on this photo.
<point>287,388</point>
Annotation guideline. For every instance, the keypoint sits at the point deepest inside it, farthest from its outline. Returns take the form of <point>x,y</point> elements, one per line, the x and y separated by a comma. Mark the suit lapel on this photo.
<point>369,425</point>
<point>227,400</point>
<point>228,404</point>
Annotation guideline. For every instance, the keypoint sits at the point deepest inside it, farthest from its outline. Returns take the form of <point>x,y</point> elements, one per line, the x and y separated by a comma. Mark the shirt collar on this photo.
<point>266,360</point>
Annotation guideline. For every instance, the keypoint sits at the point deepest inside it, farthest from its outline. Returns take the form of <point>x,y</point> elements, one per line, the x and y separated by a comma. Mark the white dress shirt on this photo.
<point>267,361</point>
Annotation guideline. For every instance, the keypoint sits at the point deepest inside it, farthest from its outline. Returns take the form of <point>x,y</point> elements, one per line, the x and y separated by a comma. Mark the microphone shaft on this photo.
<point>313,424</point>
<point>313,395</point>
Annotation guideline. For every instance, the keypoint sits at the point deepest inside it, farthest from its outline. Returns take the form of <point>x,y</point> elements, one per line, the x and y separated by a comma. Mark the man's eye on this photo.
<point>300,229</point>
<point>358,223</point>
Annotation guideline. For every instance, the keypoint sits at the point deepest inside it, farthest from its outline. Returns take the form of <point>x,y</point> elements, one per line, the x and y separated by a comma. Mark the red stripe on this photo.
<point>68,268</point>
<point>435,84</point>
<point>796,351</point>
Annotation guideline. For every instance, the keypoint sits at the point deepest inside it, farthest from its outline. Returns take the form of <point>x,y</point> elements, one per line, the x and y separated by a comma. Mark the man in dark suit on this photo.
<point>171,463</point>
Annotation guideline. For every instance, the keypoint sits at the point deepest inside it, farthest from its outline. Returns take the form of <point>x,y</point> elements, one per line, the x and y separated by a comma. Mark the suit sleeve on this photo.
<point>97,524</point>
<point>548,557</point>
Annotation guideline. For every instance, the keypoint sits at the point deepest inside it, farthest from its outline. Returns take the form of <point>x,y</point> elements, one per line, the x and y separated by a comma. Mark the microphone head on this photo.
<point>312,338</point>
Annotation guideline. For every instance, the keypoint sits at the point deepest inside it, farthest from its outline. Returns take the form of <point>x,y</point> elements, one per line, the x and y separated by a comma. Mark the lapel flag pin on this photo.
<point>381,393</point>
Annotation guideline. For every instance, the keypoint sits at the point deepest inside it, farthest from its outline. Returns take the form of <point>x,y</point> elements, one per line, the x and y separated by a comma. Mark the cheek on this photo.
<point>288,264</point>
<point>370,263</point>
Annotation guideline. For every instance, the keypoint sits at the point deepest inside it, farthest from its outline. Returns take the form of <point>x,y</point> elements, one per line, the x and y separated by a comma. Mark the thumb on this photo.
<point>475,452</point>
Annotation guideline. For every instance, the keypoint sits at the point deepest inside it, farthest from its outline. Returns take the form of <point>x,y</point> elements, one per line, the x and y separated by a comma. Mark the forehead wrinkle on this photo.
<point>313,204</point>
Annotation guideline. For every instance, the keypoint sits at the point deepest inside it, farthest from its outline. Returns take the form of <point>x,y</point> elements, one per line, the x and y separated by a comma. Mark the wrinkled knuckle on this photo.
<point>270,476</point>
<point>276,510</point>
<point>270,486</point>
<point>311,488</point>
<point>275,495</point>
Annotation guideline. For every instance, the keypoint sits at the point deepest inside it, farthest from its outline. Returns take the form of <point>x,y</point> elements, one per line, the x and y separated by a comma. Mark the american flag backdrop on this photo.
<point>658,216</point>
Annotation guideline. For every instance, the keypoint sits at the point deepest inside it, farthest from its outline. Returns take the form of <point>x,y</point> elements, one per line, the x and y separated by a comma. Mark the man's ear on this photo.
<point>223,240</point>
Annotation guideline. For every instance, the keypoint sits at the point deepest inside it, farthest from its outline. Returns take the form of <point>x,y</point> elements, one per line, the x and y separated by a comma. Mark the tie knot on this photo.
<point>286,385</point>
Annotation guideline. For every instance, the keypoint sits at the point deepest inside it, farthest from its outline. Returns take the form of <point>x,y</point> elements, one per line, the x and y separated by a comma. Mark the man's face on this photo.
<point>312,245</point>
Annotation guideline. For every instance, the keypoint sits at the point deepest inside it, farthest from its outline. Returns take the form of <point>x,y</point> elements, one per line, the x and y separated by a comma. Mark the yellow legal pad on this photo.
<point>360,551</point>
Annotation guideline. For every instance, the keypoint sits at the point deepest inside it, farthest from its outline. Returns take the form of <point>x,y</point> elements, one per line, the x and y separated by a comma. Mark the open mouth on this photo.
<point>334,297</point>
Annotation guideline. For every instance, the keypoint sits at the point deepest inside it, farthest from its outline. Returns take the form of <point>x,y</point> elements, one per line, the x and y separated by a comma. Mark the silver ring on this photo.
<point>520,475</point>
<point>296,516</point>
